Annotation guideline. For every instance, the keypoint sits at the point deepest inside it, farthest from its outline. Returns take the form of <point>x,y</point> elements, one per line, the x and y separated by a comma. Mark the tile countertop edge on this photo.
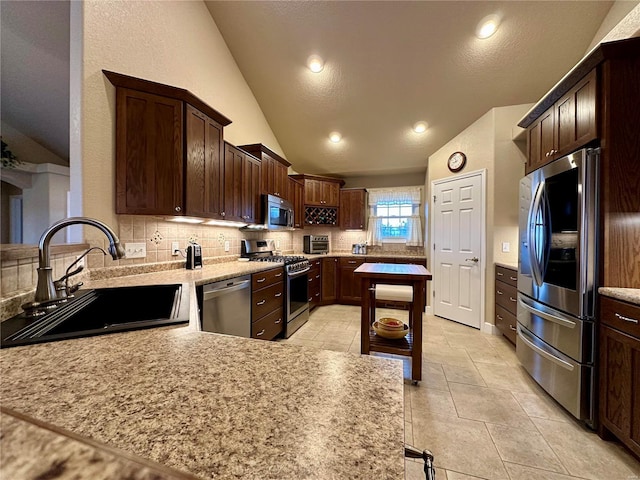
<point>631,295</point>
<point>170,396</point>
<point>512,266</point>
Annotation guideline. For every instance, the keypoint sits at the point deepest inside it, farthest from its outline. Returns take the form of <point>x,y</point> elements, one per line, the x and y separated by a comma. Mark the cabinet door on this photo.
<point>250,189</point>
<point>232,178</point>
<point>203,185</point>
<point>542,142</point>
<point>348,284</point>
<point>619,383</point>
<point>329,280</point>
<point>575,115</point>
<point>352,209</point>
<point>331,194</point>
<point>296,197</point>
<point>312,192</point>
<point>266,175</point>
<point>149,156</point>
<point>281,179</point>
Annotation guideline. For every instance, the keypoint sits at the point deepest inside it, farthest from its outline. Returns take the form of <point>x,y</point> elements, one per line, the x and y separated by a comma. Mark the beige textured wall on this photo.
<point>488,145</point>
<point>171,42</point>
<point>622,21</point>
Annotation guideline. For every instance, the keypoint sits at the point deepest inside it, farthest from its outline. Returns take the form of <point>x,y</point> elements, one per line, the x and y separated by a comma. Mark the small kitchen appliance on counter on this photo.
<point>194,256</point>
<point>316,244</point>
<point>359,248</point>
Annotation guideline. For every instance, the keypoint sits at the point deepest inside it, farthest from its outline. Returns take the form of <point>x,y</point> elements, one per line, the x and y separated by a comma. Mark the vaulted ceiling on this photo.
<point>390,64</point>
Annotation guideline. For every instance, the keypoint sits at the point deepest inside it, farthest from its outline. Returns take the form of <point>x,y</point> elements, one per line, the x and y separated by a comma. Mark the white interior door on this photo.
<point>458,232</point>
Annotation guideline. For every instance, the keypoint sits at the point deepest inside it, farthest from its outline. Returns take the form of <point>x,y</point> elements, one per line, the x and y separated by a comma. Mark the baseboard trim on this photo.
<point>491,329</point>
<point>428,310</point>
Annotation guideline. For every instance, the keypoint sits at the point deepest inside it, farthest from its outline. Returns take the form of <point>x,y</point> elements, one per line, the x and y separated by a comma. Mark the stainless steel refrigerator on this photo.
<point>557,279</point>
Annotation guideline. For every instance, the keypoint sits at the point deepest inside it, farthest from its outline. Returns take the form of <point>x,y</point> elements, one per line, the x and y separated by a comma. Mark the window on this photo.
<point>394,216</point>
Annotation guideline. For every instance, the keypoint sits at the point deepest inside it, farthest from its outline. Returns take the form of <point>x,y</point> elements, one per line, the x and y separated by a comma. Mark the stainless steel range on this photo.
<point>296,300</point>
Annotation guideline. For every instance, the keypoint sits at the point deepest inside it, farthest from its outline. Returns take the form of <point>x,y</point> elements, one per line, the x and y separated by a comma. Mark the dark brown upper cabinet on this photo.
<point>274,170</point>
<point>320,191</point>
<point>169,150</point>
<point>353,208</point>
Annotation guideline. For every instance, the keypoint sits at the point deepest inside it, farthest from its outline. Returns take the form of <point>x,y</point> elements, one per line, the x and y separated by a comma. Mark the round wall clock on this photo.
<point>457,161</point>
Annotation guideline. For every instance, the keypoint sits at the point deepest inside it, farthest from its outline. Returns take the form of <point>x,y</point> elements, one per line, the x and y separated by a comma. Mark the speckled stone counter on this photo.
<point>513,266</point>
<point>631,295</point>
<point>215,406</point>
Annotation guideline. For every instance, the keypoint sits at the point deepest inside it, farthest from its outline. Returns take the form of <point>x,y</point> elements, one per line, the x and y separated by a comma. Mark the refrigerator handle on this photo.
<point>533,257</point>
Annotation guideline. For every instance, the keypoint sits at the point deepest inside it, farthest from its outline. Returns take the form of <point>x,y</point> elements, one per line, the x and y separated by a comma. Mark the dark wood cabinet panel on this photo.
<point>169,150</point>
<point>348,285</point>
<point>619,371</point>
<point>203,185</point>
<point>565,127</point>
<point>320,191</point>
<point>269,326</point>
<point>296,197</point>
<point>315,283</point>
<point>353,208</point>
<point>506,295</point>
<point>251,175</point>
<point>149,156</point>
<point>274,170</point>
<point>232,183</point>
<point>329,280</point>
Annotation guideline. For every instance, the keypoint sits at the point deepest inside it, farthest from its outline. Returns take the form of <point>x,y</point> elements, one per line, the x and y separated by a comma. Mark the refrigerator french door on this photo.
<point>556,279</point>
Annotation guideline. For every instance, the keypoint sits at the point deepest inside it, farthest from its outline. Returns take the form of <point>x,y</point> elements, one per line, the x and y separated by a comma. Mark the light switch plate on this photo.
<point>135,250</point>
<point>227,245</point>
<point>506,247</point>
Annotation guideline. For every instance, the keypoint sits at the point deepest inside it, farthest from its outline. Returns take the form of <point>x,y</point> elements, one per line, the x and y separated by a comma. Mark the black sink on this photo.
<point>102,310</point>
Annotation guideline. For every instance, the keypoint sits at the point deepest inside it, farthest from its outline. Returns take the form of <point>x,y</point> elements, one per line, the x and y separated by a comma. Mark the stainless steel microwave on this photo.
<point>278,213</point>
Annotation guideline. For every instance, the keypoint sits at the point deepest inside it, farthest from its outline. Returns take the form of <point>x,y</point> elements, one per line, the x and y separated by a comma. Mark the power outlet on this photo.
<point>135,250</point>
<point>227,245</point>
<point>175,248</point>
<point>506,247</point>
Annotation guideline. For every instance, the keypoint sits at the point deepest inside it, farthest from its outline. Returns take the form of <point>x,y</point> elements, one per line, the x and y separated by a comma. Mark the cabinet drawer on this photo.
<point>507,275</point>
<point>268,327</point>
<point>351,262</point>
<point>622,316</point>
<point>507,297</point>
<point>266,278</point>
<point>267,300</point>
<point>506,323</point>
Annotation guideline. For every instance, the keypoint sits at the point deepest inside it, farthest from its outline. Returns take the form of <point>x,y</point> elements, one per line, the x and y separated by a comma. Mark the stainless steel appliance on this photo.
<point>226,307</point>
<point>277,214</point>
<point>296,281</point>
<point>556,279</point>
<point>194,256</point>
<point>316,244</point>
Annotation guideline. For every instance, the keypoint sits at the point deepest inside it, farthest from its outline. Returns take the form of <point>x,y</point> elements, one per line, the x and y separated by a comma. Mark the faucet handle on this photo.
<point>74,288</point>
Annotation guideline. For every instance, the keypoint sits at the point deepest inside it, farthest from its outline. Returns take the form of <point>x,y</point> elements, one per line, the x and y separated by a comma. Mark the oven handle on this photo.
<point>298,273</point>
<point>541,352</point>
<point>546,315</point>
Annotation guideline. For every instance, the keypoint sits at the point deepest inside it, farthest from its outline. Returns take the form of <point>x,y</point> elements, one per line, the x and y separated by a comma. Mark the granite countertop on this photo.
<point>631,295</point>
<point>215,406</point>
<point>312,256</point>
<point>511,265</point>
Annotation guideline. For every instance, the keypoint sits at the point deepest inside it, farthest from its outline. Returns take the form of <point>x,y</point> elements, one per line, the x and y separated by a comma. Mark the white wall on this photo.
<point>488,145</point>
<point>171,42</point>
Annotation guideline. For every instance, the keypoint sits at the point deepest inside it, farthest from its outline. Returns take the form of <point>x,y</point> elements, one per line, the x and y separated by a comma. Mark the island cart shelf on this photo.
<point>415,276</point>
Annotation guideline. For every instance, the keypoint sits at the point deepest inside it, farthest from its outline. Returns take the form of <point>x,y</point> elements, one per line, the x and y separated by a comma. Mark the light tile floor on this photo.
<point>477,409</point>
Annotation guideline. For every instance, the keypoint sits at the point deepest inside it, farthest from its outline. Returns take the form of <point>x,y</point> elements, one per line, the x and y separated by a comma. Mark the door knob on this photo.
<point>474,259</point>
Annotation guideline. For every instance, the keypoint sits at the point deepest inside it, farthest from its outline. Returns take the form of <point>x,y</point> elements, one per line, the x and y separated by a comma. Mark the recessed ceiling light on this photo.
<point>488,26</point>
<point>315,63</point>
<point>335,137</point>
<point>420,127</point>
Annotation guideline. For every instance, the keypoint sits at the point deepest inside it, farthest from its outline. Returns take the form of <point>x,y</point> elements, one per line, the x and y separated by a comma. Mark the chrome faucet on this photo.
<point>47,295</point>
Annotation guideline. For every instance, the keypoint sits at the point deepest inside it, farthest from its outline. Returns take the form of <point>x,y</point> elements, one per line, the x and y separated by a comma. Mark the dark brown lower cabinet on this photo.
<point>619,372</point>
<point>329,281</point>
<point>506,295</point>
<point>315,283</point>
<point>348,286</point>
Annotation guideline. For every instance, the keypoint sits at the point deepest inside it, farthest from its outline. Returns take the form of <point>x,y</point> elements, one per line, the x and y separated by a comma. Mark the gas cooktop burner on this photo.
<point>293,263</point>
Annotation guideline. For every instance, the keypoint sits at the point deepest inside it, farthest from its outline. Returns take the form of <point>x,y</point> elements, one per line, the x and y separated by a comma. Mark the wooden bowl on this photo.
<point>390,323</point>
<point>394,334</point>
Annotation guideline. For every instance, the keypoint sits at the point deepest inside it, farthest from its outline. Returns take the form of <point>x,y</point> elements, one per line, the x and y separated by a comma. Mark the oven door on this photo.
<point>297,301</point>
<point>557,223</point>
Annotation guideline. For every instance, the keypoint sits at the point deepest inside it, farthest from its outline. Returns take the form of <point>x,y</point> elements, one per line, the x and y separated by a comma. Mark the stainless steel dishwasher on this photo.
<point>226,307</point>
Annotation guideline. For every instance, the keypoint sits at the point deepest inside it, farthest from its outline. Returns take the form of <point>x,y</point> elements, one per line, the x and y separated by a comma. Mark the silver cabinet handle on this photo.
<point>260,280</point>
<point>178,209</point>
<point>499,292</point>
<point>352,261</point>
<point>626,319</point>
<point>317,276</point>
<point>279,294</point>
<point>279,274</point>
<point>278,321</point>
<point>500,274</point>
<point>512,327</point>
<point>499,317</point>
<point>260,333</point>
<point>261,302</point>
<point>513,278</point>
<point>512,299</point>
